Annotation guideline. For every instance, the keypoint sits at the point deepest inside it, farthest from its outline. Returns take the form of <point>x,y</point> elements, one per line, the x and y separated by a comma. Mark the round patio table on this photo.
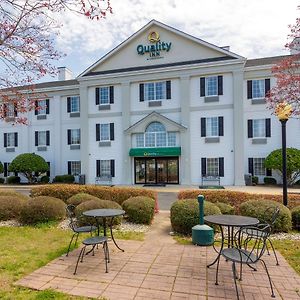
<point>104,213</point>
<point>231,222</point>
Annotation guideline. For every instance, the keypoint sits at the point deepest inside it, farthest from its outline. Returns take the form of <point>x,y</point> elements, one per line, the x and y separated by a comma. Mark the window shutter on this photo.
<point>168,87</point>
<point>250,166</point>
<point>269,172</point>
<point>5,169</point>
<point>112,131</point>
<point>203,166</point>
<point>5,140</point>
<point>15,110</point>
<point>268,127</point>
<point>16,139</point>
<point>203,127</point>
<point>221,126</point>
<point>267,86</point>
<point>36,138</point>
<point>97,168</point>
<point>69,168</point>
<point>250,128</point>
<point>220,85</point>
<point>202,86</point>
<point>97,132</point>
<point>48,172</point>
<point>97,96</point>
<point>36,104</point>
<point>221,166</point>
<point>112,168</point>
<point>111,95</point>
<point>48,138</point>
<point>69,104</point>
<point>47,106</point>
<point>249,89</point>
<point>69,136</point>
<point>4,110</point>
<point>141,92</point>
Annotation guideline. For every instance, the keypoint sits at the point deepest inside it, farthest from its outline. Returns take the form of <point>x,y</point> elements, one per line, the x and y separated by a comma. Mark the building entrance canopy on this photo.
<point>150,152</point>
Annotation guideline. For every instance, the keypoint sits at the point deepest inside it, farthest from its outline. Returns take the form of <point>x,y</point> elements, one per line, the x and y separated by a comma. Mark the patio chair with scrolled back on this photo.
<point>75,227</point>
<point>250,245</point>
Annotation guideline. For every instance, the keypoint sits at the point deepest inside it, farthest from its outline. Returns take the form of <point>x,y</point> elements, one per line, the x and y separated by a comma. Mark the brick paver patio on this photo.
<point>159,268</point>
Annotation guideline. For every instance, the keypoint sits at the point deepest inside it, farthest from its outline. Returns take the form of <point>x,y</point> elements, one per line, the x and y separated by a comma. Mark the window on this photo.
<point>258,167</point>
<point>73,104</point>
<point>211,86</point>
<point>140,140</point>
<point>259,129</point>
<point>152,91</point>
<point>212,166</point>
<point>42,138</point>
<point>105,132</point>
<point>171,139</point>
<point>212,127</point>
<point>74,168</point>
<point>258,89</point>
<point>10,139</point>
<point>105,168</point>
<point>104,95</point>
<point>42,107</point>
<point>10,110</point>
<point>73,136</point>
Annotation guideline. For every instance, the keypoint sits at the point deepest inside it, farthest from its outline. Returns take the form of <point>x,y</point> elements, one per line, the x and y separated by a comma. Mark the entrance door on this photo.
<point>150,171</point>
<point>162,170</point>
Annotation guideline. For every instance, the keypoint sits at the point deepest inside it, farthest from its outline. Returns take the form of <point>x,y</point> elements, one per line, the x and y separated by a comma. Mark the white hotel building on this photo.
<point>162,107</point>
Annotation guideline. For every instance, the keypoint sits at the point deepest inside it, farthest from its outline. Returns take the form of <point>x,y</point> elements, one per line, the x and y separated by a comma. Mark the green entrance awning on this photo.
<point>163,151</point>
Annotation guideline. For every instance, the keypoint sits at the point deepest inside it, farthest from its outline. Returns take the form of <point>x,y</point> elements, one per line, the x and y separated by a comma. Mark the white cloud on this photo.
<point>251,28</point>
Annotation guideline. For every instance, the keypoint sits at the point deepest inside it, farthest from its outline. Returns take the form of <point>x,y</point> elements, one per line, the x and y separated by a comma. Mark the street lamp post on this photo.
<point>283,111</point>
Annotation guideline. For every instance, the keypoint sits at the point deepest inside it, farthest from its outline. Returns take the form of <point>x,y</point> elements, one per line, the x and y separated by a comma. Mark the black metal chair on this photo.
<point>249,247</point>
<point>94,241</point>
<point>75,227</point>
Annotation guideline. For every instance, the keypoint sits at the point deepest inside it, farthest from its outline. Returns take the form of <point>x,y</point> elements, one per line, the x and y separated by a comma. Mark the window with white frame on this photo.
<point>42,138</point>
<point>104,95</point>
<point>75,167</point>
<point>42,107</point>
<point>212,127</point>
<point>171,139</point>
<point>140,140</point>
<point>211,85</point>
<point>258,167</point>
<point>105,169</point>
<point>75,104</point>
<point>75,136</point>
<point>104,132</point>
<point>10,139</point>
<point>155,90</point>
<point>10,110</point>
<point>259,128</point>
<point>258,89</point>
<point>212,166</point>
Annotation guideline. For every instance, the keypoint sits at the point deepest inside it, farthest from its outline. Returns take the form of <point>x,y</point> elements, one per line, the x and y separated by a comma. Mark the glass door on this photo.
<point>150,171</point>
<point>173,171</point>
<point>162,170</point>
<point>140,174</point>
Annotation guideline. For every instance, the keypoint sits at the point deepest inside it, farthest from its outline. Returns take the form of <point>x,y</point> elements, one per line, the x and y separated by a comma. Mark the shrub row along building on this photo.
<point>162,107</point>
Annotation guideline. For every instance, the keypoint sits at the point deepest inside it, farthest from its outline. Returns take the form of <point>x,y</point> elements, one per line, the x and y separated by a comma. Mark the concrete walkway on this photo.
<point>160,268</point>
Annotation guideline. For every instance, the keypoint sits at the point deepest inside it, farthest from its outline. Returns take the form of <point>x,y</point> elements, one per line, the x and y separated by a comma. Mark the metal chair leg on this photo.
<point>217,273</point>
<point>234,277</point>
<point>105,249</point>
<point>277,263</point>
<point>265,266</point>
<point>82,255</point>
<point>76,239</point>
<point>70,244</point>
<point>78,259</point>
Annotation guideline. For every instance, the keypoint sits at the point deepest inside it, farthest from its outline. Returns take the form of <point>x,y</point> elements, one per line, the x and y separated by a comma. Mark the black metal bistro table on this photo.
<point>231,222</point>
<point>104,213</point>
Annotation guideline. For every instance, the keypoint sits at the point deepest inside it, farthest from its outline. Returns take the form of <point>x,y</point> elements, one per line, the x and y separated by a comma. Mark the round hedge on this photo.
<point>94,204</point>
<point>139,209</point>
<point>14,194</point>
<point>257,208</point>
<point>185,214</point>
<point>226,209</point>
<point>42,209</point>
<point>80,198</point>
<point>296,217</point>
<point>10,206</point>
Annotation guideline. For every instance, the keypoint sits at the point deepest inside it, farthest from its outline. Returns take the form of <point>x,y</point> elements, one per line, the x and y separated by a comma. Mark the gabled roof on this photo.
<point>154,116</point>
<point>166,27</point>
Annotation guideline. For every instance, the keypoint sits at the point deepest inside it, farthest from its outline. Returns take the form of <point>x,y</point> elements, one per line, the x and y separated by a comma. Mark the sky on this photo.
<point>256,28</point>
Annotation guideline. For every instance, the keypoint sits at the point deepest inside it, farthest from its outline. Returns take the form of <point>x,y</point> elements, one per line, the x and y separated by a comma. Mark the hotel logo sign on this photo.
<point>156,47</point>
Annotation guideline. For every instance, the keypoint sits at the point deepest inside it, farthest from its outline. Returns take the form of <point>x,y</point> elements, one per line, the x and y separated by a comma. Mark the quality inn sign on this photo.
<point>156,46</point>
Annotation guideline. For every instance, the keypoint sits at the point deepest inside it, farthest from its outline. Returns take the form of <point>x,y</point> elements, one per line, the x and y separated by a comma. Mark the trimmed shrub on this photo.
<point>13,194</point>
<point>42,209</point>
<point>45,179</point>
<point>10,207</point>
<point>256,209</point>
<point>64,178</point>
<point>94,204</point>
<point>270,180</point>
<point>185,214</point>
<point>139,209</point>
<point>80,198</point>
<point>296,217</point>
<point>254,180</point>
<point>13,179</point>
<point>2,180</point>
<point>226,209</point>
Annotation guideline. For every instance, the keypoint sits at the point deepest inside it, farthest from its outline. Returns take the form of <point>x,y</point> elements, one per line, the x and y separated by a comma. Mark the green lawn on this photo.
<point>25,249</point>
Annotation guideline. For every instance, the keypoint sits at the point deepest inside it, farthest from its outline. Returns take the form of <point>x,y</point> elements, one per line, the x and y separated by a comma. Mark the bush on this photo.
<point>296,217</point>
<point>185,214</point>
<point>256,209</point>
<point>139,209</point>
<point>64,178</point>
<point>94,204</point>
<point>226,209</point>
<point>14,194</point>
<point>45,179</point>
<point>80,198</point>
<point>254,180</point>
<point>1,167</point>
<point>270,180</point>
<point>42,209</point>
<point>2,180</point>
<point>13,179</point>
<point>10,207</point>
